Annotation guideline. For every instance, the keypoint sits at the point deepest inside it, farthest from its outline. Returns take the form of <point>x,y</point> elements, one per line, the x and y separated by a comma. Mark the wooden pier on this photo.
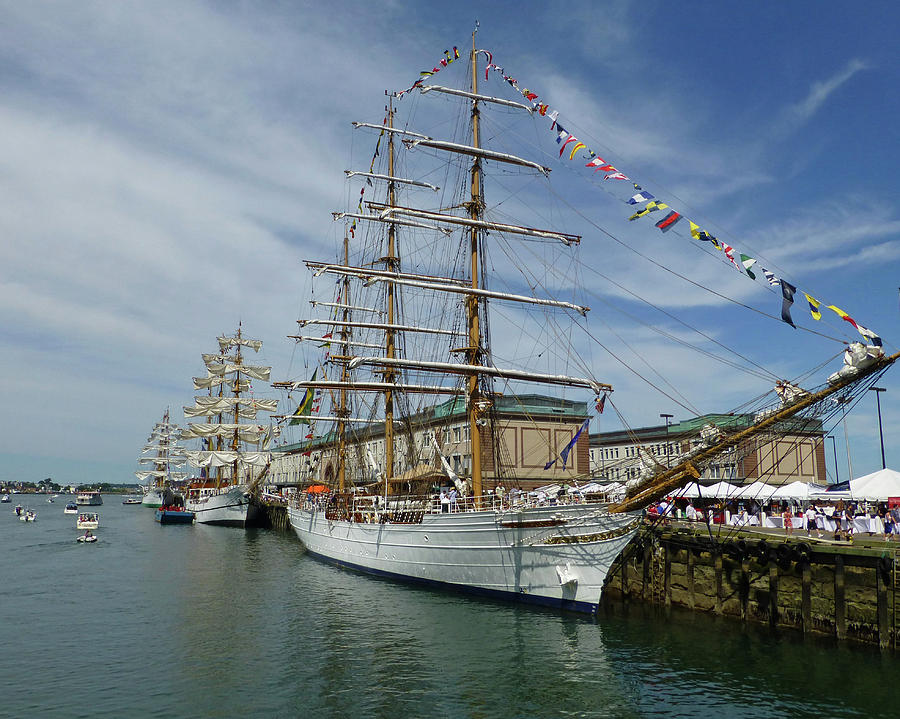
<point>274,514</point>
<point>846,590</point>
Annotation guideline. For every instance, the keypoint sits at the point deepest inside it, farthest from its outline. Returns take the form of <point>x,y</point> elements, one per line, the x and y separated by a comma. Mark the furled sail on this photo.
<point>226,342</point>
<point>254,371</point>
<point>247,406</point>
<point>245,432</point>
<point>215,380</point>
<point>226,458</point>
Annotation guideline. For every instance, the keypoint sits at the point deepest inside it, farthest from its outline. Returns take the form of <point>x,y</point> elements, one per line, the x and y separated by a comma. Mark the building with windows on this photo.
<point>794,451</point>
<point>525,433</point>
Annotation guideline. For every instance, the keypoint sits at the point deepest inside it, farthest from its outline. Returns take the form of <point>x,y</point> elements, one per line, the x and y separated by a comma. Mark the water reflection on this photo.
<point>207,621</point>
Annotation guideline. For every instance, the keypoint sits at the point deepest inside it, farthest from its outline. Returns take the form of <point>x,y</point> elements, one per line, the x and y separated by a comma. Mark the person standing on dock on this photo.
<point>788,518</point>
<point>812,520</point>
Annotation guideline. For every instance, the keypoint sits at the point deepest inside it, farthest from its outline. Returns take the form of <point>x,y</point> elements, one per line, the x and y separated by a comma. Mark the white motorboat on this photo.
<point>86,538</point>
<point>28,516</point>
<point>87,520</point>
<point>88,498</point>
<point>70,508</point>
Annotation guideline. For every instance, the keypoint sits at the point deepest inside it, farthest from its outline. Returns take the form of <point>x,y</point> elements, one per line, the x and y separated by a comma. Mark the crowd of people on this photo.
<point>839,519</point>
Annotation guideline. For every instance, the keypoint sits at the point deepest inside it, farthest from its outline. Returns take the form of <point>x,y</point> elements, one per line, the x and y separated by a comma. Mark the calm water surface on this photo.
<point>199,621</point>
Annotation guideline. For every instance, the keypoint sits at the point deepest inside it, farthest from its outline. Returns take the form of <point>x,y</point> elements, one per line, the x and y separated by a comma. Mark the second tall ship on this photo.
<point>233,454</point>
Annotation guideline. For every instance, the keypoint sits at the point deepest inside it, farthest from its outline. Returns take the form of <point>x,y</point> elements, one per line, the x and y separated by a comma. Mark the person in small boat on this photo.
<point>87,534</point>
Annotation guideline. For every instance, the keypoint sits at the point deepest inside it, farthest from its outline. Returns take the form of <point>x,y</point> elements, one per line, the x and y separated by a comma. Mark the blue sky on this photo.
<point>166,166</point>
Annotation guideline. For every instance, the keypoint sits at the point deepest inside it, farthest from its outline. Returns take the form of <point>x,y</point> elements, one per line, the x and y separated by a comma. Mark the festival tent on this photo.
<point>879,485</point>
<point>795,490</point>
<point>759,491</point>
<point>829,493</point>
<point>593,487</point>
<point>719,490</point>
<point>691,490</point>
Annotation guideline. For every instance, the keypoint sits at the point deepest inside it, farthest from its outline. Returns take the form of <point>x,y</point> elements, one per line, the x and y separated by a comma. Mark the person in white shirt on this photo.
<point>690,512</point>
<point>811,521</point>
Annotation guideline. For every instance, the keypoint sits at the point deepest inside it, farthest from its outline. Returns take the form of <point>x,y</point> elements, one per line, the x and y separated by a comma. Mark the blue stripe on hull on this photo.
<point>520,597</point>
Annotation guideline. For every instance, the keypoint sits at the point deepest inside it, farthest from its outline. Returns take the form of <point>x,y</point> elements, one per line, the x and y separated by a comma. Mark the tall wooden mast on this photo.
<point>238,360</point>
<point>473,354</point>
<point>345,376</point>
<point>390,336</point>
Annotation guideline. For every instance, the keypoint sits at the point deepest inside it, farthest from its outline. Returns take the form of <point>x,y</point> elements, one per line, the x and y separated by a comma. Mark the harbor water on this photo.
<point>200,621</point>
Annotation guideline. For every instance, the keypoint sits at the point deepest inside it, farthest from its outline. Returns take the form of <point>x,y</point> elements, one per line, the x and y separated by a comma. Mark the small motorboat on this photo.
<point>71,508</point>
<point>18,510</point>
<point>132,500</point>
<point>87,520</point>
<point>172,514</point>
<point>5,499</point>
<point>28,516</point>
<point>87,537</point>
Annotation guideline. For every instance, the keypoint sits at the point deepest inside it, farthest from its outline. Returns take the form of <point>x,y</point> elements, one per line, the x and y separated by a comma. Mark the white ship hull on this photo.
<point>231,508</point>
<point>505,555</point>
<point>88,499</point>
<point>154,498</point>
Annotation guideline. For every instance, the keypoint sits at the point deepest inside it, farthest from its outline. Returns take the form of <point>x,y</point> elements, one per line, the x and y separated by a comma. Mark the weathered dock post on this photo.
<point>840,606</point>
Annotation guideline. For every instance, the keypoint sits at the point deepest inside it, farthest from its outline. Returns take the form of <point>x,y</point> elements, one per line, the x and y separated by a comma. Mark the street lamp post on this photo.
<point>837,475</point>
<point>878,391</point>
<point>667,417</point>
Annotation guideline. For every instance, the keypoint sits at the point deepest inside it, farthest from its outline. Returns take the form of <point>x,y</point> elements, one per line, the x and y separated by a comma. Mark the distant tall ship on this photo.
<point>162,453</point>
<point>233,455</point>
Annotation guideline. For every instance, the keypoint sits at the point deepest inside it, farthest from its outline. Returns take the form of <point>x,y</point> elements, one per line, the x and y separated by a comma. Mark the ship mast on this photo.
<point>342,407</point>
<point>473,352</point>
<point>238,360</point>
<point>390,349</point>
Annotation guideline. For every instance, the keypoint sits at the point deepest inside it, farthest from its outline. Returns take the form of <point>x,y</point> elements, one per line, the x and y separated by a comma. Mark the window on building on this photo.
<point>456,434</point>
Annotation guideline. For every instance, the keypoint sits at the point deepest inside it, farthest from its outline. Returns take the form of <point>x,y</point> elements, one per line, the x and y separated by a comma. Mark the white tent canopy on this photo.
<point>691,490</point>
<point>876,486</point>
<point>760,491</point>
<point>795,490</point>
<point>719,490</point>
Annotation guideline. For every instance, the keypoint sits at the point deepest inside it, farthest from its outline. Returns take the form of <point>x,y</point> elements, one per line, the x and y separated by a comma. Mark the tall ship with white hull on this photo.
<point>410,321</point>
<point>233,456</point>
<point>161,453</point>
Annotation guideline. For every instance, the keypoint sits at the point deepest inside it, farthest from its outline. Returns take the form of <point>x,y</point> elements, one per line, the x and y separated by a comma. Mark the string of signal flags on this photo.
<point>646,203</point>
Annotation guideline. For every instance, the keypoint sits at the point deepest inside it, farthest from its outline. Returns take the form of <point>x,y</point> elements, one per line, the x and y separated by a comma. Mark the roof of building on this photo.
<point>691,427</point>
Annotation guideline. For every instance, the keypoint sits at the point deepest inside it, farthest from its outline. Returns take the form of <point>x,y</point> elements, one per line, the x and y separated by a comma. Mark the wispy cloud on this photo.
<point>798,114</point>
